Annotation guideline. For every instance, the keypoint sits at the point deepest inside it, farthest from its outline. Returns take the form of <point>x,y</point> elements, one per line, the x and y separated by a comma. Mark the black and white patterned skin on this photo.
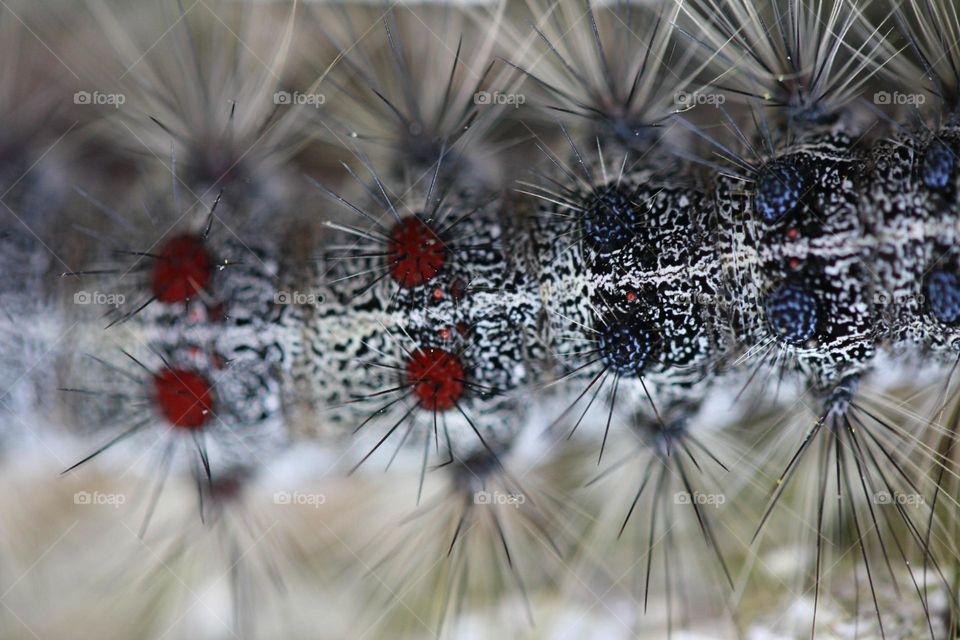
<point>33,330</point>
<point>817,246</point>
<point>703,279</point>
<point>653,296</point>
<point>256,335</point>
<point>910,203</point>
<point>480,307</point>
<point>31,327</point>
<point>236,335</point>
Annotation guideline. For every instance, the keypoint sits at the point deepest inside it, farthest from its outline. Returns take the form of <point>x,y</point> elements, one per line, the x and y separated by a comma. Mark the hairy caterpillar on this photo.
<point>690,293</point>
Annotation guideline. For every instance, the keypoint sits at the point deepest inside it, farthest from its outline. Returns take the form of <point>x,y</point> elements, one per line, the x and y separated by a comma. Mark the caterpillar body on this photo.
<point>694,223</point>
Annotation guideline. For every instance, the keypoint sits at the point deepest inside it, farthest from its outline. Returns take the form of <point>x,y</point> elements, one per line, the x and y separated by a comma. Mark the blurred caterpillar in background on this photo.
<point>541,319</point>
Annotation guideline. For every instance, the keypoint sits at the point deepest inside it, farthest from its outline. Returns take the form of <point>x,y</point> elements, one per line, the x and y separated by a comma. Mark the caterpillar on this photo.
<point>549,318</point>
